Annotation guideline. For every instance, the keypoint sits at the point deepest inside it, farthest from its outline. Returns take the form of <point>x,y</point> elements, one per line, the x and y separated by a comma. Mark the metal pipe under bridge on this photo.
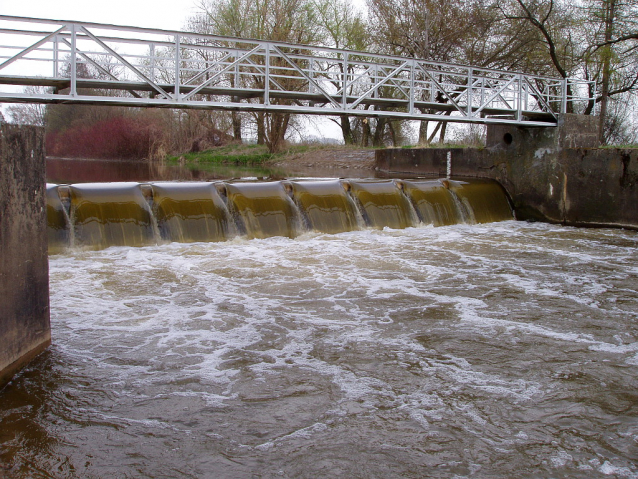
<point>89,63</point>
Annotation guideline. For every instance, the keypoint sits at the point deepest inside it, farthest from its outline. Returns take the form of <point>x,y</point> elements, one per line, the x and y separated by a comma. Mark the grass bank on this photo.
<point>621,147</point>
<point>240,154</point>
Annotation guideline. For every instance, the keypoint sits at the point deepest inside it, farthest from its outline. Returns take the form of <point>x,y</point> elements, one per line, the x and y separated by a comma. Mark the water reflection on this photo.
<point>30,404</point>
<point>67,170</point>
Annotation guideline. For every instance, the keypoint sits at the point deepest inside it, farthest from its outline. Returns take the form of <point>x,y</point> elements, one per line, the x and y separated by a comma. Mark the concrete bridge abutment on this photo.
<point>24,269</point>
<point>556,174</point>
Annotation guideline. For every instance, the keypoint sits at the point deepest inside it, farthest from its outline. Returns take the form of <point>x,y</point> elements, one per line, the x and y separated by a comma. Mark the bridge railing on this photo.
<point>74,62</point>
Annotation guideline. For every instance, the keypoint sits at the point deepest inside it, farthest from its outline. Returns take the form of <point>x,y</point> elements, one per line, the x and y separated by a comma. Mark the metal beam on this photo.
<point>190,70</point>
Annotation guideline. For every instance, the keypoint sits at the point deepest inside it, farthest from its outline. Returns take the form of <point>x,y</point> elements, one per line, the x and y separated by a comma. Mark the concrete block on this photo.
<point>551,174</point>
<point>572,131</point>
<point>24,268</point>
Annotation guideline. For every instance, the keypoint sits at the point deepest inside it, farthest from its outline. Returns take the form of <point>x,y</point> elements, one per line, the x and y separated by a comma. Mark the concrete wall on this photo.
<point>24,269</point>
<point>551,174</point>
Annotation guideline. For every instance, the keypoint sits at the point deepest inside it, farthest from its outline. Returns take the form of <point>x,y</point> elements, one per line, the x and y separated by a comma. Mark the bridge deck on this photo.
<point>105,64</point>
<point>313,100</point>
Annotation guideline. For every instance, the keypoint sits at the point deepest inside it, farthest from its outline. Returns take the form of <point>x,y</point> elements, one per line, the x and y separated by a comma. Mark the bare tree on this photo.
<point>345,28</point>
<point>611,37</point>
<point>27,113</point>
<point>597,39</point>
<point>293,21</point>
<point>476,32</point>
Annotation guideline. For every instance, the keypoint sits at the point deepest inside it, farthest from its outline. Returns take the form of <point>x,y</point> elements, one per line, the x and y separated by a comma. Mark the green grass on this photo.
<point>445,146</point>
<point>622,147</point>
<point>227,155</point>
<point>462,145</point>
<point>243,155</point>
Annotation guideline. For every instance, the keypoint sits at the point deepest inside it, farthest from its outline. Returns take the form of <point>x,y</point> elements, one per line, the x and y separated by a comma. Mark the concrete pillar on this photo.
<point>24,269</point>
<point>551,174</point>
<point>573,131</point>
<point>538,164</point>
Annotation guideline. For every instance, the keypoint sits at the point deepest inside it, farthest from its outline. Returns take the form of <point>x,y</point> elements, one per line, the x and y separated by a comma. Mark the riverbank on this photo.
<point>297,160</point>
<point>328,162</point>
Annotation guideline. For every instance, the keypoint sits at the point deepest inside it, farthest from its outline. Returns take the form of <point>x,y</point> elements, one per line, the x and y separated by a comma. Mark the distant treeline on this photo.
<point>594,40</point>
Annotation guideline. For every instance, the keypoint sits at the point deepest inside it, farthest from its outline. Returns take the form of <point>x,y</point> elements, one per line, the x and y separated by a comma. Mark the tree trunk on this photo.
<point>423,132</point>
<point>276,127</point>
<point>346,130</point>
<point>236,118</point>
<point>436,130</point>
<point>377,140</point>
<point>443,128</point>
<point>365,137</point>
<point>261,129</point>
<point>609,7</point>
<point>393,133</point>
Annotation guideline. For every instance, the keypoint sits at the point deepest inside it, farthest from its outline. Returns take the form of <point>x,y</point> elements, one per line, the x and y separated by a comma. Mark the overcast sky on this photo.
<point>164,14</point>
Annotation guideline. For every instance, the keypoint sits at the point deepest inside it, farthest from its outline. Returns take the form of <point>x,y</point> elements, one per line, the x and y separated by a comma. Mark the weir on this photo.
<point>189,212</point>
<point>99,215</point>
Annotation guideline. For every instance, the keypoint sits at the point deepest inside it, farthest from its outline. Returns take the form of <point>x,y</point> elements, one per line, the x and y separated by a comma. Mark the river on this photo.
<point>483,351</point>
<point>69,170</point>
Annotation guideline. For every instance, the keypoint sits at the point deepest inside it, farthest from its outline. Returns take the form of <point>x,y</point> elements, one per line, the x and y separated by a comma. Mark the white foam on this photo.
<point>609,469</point>
<point>560,459</point>
<point>211,312</point>
<point>304,433</point>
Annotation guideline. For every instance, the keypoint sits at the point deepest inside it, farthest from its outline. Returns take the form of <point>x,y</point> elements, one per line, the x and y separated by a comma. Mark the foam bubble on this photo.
<point>459,331</point>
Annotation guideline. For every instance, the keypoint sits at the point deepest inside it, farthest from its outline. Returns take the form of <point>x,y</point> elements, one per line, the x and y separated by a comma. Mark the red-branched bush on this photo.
<point>115,138</point>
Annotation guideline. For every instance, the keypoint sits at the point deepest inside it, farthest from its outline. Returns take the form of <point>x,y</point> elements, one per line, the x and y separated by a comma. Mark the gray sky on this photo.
<point>164,14</point>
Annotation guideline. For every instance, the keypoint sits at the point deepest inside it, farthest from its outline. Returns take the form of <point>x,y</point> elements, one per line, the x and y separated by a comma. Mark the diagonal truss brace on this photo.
<point>264,71</point>
<point>29,49</point>
<point>379,84</point>
<point>312,81</point>
<point>125,62</point>
<point>443,90</point>
<point>497,93</point>
<point>539,97</point>
<point>221,72</point>
<point>96,65</point>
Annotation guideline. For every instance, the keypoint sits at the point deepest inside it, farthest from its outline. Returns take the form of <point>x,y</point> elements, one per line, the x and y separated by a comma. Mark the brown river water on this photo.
<point>496,350</point>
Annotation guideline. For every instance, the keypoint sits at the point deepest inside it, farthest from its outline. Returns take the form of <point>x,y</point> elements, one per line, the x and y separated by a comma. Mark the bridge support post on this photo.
<point>536,165</point>
<point>573,131</point>
<point>24,275</point>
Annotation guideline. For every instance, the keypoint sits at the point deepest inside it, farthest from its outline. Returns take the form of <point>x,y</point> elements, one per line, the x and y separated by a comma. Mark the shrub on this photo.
<point>114,138</point>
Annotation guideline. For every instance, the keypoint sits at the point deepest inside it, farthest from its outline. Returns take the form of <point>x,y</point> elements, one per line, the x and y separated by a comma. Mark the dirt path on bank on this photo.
<point>339,162</point>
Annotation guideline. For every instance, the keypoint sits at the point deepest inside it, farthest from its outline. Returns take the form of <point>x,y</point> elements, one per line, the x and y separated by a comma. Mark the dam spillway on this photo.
<point>509,346</point>
<point>276,357</point>
<point>99,215</point>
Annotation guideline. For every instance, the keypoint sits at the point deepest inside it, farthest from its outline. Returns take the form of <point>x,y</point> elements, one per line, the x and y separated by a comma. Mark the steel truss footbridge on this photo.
<point>89,63</point>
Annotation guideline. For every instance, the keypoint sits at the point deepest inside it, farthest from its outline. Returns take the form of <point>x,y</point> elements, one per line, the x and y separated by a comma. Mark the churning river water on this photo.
<point>488,351</point>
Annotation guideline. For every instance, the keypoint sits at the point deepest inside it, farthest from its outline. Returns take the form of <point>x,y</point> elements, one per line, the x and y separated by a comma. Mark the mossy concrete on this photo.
<point>556,174</point>
<point>24,269</point>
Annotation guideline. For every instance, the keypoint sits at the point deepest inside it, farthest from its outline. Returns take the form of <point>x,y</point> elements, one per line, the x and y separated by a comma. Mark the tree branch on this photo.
<point>632,86</point>
<point>632,36</point>
<point>548,38</point>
